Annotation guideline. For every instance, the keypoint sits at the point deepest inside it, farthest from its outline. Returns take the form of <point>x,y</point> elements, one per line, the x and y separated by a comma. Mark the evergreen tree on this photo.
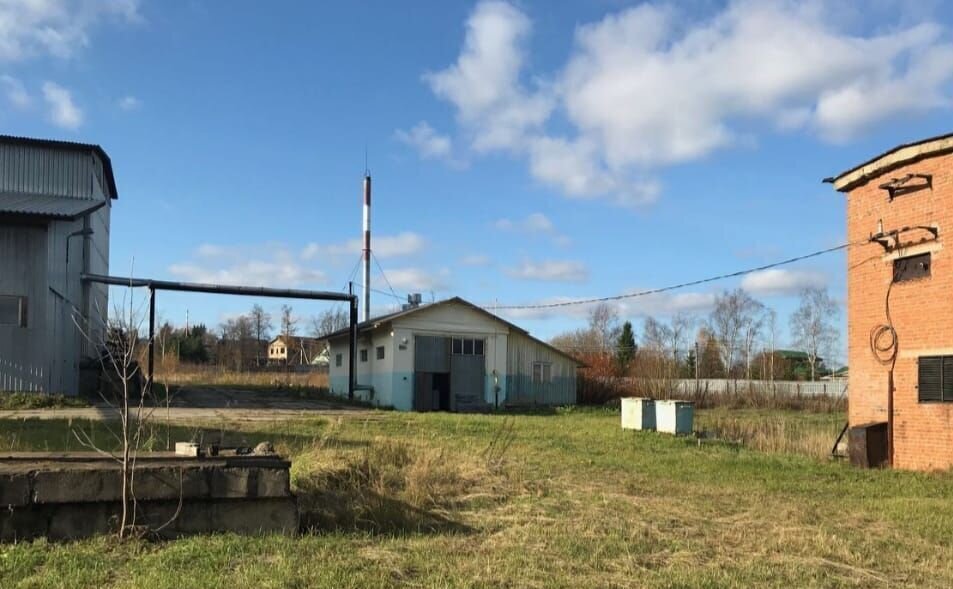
<point>690,361</point>
<point>625,347</point>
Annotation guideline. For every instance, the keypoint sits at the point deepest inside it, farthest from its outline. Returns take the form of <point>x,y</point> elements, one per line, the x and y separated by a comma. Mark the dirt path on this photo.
<point>211,404</point>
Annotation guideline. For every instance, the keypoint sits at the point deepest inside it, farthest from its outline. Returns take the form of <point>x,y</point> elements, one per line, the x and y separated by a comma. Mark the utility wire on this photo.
<point>379,267</point>
<point>350,276</point>
<point>652,291</point>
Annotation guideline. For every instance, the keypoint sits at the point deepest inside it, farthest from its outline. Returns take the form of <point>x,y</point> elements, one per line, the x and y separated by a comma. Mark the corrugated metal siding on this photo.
<point>467,382</point>
<point>521,353</point>
<point>44,205</point>
<point>24,359</point>
<point>46,355</point>
<point>40,170</point>
<point>431,354</point>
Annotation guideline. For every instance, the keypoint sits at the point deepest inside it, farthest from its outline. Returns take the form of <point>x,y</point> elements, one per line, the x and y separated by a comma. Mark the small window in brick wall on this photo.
<point>911,267</point>
<point>935,379</point>
<point>380,352</point>
<point>338,359</point>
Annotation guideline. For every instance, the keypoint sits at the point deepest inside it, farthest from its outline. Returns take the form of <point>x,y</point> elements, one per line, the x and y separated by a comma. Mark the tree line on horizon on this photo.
<point>241,342</point>
<point>738,338</point>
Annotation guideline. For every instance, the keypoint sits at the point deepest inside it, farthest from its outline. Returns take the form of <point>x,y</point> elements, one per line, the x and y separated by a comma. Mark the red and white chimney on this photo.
<point>366,293</point>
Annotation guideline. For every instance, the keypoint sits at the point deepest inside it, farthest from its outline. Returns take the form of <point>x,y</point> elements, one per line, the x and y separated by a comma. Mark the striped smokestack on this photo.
<point>366,293</point>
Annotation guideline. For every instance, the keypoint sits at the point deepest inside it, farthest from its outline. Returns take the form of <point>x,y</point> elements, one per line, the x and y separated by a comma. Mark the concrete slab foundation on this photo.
<point>68,496</point>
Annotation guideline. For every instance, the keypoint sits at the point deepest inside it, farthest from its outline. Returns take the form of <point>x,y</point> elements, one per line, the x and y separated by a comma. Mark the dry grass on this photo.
<point>565,499</point>
<point>790,433</point>
<point>384,486</point>
<point>186,374</point>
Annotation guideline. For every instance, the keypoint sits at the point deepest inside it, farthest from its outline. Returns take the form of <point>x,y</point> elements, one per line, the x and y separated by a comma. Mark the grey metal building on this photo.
<point>55,201</point>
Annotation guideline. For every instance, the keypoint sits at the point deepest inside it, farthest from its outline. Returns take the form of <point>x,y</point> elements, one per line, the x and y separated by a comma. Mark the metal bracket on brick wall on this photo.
<point>890,240</point>
<point>900,186</point>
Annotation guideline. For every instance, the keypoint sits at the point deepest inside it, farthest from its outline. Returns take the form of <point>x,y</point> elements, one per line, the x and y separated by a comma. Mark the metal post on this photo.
<point>152,336</point>
<point>352,346</point>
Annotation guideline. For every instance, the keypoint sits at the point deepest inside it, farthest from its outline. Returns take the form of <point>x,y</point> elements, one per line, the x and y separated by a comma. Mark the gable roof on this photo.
<point>891,159</point>
<point>296,340</point>
<point>70,146</point>
<point>375,322</point>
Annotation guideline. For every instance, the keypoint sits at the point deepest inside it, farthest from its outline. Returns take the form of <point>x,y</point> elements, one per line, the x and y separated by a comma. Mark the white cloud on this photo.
<point>779,281</point>
<point>129,103</point>
<point>648,87</point>
<point>484,85</point>
<point>475,260</point>
<point>56,27</point>
<point>550,271</point>
<point>15,92</point>
<point>533,224</point>
<point>384,246</point>
<point>273,265</point>
<point>428,143</point>
<point>417,279</point>
<point>63,111</point>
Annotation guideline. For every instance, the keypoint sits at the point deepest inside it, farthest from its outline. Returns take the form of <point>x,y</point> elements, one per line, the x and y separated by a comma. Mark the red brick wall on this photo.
<point>922,313</point>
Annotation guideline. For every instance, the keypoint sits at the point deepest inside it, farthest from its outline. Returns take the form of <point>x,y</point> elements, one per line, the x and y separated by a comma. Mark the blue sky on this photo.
<point>521,152</point>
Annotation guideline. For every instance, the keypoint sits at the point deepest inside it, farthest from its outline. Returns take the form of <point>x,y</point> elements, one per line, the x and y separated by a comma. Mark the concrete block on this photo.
<point>675,417</point>
<point>253,482</point>
<point>14,489</point>
<point>77,485</point>
<point>23,523</point>
<point>638,413</point>
<point>186,449</point>
<point>278,515</point>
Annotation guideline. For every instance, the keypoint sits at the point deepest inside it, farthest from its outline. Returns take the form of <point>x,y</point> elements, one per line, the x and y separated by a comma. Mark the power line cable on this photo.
<point>652,291</point>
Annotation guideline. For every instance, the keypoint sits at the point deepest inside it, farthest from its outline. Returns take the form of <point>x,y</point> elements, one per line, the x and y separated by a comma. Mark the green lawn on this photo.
<point>561,500</point>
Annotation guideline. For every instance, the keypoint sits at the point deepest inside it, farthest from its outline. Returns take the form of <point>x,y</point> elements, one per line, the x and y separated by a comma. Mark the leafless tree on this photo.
<point>771,324</point>
<point>812,324</point>
<point>123,387</point>
<point>729,322</point>
<point>329,321</point>
<point>604,322</point>
<point>289,324</point>
<point>579,342</point>
<point>750,332</point>
<point>261,324</point>
<point>681,326</point>
<point>237,335</point>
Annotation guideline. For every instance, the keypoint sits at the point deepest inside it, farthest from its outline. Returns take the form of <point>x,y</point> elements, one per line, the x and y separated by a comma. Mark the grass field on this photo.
<point>560,500</point>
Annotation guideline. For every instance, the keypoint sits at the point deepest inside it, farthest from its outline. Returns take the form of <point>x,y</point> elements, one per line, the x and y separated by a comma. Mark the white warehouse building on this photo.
<point>451,356</point>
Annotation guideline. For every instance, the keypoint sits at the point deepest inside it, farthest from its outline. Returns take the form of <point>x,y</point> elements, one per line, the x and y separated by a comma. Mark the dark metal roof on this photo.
<point>375,322</point>
<point>44,205</point>
<point>71,146</point>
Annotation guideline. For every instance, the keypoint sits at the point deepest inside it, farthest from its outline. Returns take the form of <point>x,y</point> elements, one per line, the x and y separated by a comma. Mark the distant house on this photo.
<point>451,356</point>
<point>900,300</point>
<point>797,365</point>
<point>55,203</point>
<point>294,350</point>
